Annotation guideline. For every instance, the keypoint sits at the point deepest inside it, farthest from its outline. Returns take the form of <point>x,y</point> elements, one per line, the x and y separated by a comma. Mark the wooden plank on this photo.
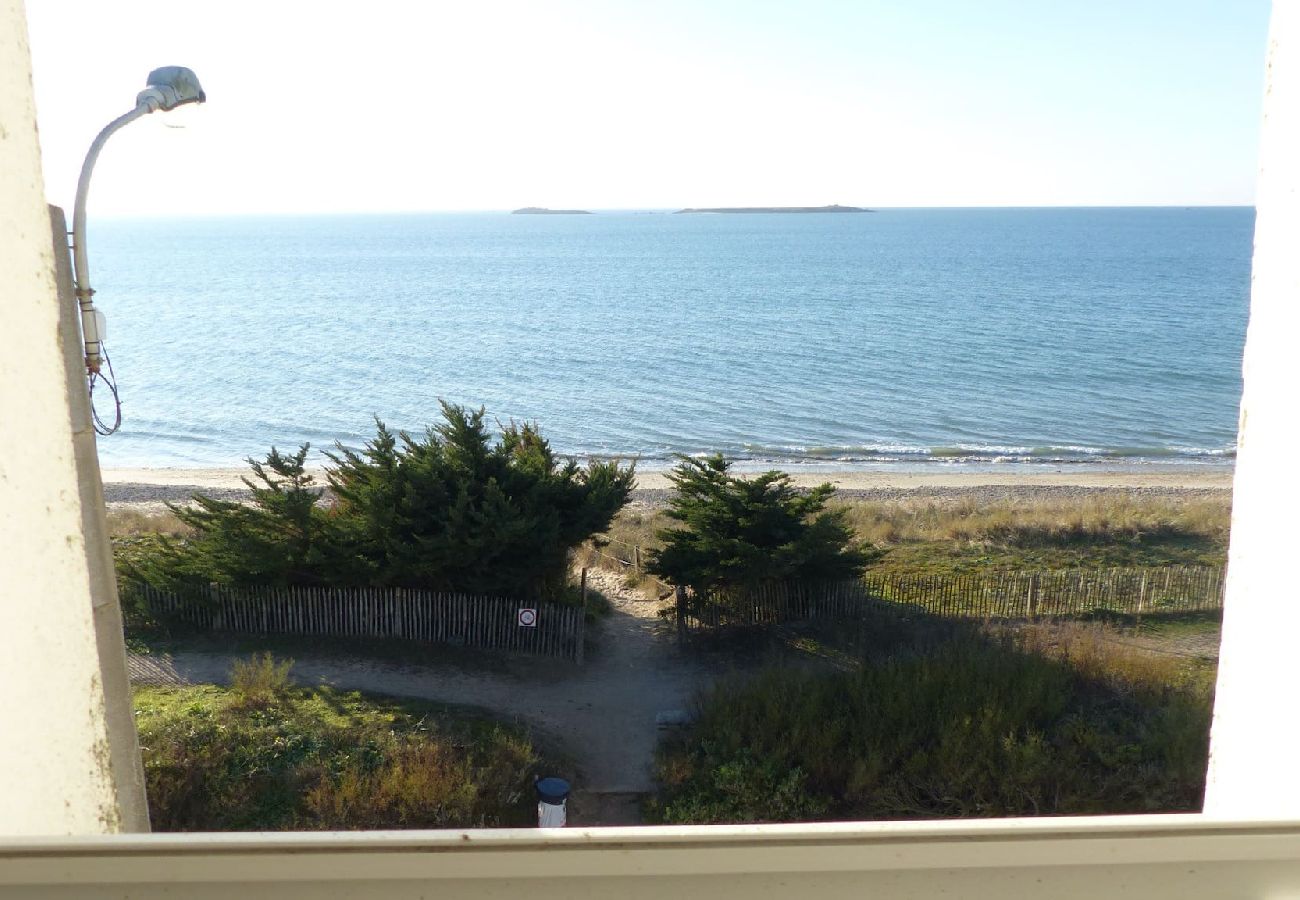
<point>473,622</point>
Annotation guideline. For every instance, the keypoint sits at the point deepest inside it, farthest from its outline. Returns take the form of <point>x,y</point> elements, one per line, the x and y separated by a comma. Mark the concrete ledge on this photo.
<point>1182,857</point>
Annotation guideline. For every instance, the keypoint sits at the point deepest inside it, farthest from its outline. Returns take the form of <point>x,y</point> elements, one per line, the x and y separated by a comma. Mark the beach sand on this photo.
<point>151,487</point>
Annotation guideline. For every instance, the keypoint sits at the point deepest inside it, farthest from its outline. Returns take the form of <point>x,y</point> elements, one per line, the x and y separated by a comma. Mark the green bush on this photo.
<point>259,679</point>
<point>739,533</point>
<point>743,787</point>
<point>307,760</point>
<point>968,728</point>
<point>454,510</point>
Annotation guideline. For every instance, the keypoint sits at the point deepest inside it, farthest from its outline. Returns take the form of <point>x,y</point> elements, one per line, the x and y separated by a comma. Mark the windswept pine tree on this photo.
<point>456,508</point>
<point>738,533</point>
<point>282,537</point>
<point>452,510</point>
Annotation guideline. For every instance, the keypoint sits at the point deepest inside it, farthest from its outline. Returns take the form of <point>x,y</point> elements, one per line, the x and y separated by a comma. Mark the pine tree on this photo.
<point>739,533</point>
<point>453,510</point>
<point>282,537</point>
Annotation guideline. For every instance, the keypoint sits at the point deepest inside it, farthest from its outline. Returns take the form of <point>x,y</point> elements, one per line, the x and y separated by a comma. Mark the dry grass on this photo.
<point>962,534</point>
<point>1036,522</point>
<point>124,523</point>
<point>1097,651</point>
<point>633,527</point>
<point>1098,531</point>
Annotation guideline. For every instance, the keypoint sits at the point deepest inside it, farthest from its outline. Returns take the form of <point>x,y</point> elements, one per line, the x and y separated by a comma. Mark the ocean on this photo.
<point>900,338</point>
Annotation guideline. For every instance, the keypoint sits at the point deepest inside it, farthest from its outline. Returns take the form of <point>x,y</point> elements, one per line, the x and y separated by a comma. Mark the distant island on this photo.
<point>833,208</point>
<point>541,211</point>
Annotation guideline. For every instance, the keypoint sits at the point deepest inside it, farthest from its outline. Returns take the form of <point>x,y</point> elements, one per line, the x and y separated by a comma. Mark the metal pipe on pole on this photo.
<point>167,88</point>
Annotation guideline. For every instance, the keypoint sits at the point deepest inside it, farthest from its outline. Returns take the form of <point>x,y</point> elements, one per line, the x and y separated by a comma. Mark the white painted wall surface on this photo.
<point>1255,745</point>
<point>68,757</point>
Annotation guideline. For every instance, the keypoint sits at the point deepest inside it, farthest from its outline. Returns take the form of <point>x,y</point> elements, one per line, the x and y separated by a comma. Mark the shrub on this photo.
<point>259,679</point>
<point>746,788</point>
<point>425,785</point>
<point>741,532</point>
<point>451,511</point>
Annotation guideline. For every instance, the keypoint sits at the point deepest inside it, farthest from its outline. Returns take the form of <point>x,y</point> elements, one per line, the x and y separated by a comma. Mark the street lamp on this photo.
<point>166,89</point>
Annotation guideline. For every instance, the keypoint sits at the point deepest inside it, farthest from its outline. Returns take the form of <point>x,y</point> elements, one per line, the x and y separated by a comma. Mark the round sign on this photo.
<point>528,618</point>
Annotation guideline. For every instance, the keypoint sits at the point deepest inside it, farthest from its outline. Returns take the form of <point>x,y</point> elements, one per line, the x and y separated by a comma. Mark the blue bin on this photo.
<point>552,790</point>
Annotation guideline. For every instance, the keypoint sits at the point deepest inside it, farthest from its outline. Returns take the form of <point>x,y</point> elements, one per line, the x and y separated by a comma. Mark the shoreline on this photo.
<point>151,487</point>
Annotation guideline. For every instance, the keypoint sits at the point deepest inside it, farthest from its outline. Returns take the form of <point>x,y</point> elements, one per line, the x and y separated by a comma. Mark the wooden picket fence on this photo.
<point>989,595</point>
<point>490,623</point>
<point>1055,593</point>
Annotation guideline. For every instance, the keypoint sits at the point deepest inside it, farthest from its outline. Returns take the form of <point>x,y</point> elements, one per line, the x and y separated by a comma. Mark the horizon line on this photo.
<point>632,209</point>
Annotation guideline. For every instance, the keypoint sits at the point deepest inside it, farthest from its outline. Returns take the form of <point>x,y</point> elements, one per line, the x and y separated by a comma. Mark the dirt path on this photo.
<point>602,713</point>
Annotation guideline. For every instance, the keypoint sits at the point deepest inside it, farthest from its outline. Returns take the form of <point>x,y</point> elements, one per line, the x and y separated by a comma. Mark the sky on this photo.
<point>386,106</point>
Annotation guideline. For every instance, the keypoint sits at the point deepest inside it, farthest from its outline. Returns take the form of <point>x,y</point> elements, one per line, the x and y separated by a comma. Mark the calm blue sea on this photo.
<point>901,337</point>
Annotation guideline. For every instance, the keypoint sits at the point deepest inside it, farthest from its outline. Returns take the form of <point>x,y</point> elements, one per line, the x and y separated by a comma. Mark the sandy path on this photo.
<point>146,490</point>
<point>603,713</point>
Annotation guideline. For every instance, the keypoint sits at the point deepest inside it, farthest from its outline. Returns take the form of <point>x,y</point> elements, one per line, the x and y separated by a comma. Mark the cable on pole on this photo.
<point>110,384</point>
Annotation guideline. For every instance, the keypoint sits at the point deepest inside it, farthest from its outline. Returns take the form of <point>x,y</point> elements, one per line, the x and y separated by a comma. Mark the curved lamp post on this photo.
<point>166,88</point>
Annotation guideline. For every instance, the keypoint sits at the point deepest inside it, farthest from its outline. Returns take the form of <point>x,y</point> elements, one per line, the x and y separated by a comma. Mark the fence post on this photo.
<point>584,590</point>
<point>636,558</point>
<point>580,633</point>
<point>681,613</point>
<point>1031,599</point>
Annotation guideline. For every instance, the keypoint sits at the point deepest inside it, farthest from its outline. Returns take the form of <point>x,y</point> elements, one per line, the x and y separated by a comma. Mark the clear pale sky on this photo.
<point>396,106</point>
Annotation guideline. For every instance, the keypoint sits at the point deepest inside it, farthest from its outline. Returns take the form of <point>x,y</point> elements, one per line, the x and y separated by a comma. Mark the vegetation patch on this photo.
<point>940,537</point>
<point>929,537</point>
<point>1049,721</point>
<point>266,756</point>
<point>455,510</point>
<point>125,524</point>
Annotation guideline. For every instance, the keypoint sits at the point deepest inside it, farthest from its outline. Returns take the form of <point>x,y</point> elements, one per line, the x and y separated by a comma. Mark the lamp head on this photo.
<point>170,87</point>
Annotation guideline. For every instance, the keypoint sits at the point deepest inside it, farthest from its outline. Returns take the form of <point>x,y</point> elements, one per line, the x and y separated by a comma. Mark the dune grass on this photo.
<point>932,537</point>
<point>125,522</point>
<point>1044,522</point>
<point>266,756</point>
<point>938,536</point>
<point>949,721</point>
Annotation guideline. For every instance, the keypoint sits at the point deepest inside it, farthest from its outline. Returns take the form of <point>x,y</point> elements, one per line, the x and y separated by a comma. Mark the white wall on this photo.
<point>69,763</point>
<point>1254,762</point>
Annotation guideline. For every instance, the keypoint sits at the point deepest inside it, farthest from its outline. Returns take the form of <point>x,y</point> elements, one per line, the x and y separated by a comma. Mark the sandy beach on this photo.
<point>150,487</point>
